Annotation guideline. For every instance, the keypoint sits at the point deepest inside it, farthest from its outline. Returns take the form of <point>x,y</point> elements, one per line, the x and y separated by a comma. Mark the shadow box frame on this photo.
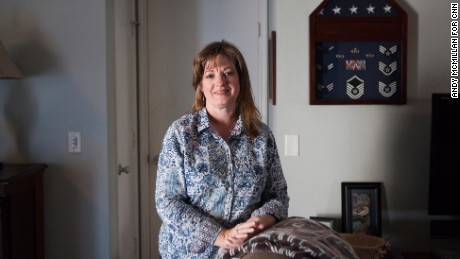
<point>355,216</point>
<point>370,34</point>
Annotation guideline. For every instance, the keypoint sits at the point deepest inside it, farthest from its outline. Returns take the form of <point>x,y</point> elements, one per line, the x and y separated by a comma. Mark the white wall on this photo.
<point>61,48</point>
<point>375,143</point>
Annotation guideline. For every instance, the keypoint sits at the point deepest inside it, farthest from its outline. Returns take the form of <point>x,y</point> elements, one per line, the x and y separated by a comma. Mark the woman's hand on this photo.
<point>263,222</point>
<point>234,237</point>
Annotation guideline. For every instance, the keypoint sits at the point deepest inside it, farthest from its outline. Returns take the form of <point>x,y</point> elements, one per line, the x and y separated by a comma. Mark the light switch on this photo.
<point>74,142</point>
<point>291,147</point>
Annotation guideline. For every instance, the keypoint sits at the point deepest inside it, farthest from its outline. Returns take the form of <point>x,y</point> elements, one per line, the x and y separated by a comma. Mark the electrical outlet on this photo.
<point>74,142</point>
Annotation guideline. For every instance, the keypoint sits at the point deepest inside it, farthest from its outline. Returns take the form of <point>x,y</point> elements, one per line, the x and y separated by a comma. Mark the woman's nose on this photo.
<point>221,78</point>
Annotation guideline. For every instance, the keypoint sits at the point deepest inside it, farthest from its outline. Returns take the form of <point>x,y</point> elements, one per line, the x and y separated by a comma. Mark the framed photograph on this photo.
<point>361,208</point>
<point>328,222</point>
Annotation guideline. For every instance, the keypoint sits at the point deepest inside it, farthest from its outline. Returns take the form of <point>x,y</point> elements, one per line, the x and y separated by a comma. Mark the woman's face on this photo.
<point>220,83</point>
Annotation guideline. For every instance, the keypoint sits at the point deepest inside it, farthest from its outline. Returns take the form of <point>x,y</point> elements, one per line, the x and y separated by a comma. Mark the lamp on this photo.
<point>8,70</point>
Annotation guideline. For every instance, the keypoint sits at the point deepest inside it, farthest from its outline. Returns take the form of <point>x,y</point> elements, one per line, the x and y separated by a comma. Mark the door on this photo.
<point>176,30</point>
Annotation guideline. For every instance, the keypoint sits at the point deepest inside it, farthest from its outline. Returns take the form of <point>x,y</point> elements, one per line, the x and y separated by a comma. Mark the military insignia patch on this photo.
<point>388,52</point>
<point>328,67</point>
<point>387,69</point>
<point>355,87</point>
<point>387,90</point>
<point>328,87</point>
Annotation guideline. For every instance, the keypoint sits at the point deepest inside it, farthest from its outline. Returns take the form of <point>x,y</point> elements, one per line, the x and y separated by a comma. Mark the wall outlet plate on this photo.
<point>74,142</point>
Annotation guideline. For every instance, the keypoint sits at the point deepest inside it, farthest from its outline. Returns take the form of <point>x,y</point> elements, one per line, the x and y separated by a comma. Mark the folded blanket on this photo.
<point>296,237</point>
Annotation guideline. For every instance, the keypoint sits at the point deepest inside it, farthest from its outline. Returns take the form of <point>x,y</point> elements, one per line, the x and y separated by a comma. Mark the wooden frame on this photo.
<point>361,208</point>
<point>272,66</point>
<point>361,54</point>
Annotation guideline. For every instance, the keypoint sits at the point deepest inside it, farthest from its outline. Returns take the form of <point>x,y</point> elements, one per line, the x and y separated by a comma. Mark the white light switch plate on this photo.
<point>291,147</point>
<point>74,142</point>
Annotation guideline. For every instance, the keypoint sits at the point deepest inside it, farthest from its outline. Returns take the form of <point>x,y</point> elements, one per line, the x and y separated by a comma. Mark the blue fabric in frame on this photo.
<point>358,70</point>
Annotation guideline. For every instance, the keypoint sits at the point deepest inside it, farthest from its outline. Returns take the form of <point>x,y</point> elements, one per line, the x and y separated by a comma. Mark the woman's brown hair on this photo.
<point>245,106</point>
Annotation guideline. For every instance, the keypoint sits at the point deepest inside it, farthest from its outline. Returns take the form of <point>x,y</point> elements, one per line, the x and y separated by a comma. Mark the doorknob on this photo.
<point>123,169</point>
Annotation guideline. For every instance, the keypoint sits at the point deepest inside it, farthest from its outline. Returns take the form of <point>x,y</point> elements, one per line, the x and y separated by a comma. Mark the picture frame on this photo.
<point>328,222</point>
<point>361,208</point>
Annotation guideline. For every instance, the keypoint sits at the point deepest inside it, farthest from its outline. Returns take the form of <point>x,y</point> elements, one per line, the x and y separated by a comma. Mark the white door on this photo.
<point>177,30</point>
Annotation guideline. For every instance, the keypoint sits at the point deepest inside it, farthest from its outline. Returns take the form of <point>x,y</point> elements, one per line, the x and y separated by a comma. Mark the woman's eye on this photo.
<point>227,73</point>
<point>209,76</point>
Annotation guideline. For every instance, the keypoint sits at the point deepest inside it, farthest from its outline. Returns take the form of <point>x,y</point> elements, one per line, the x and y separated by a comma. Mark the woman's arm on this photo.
<point>275,199</point>
<point>171,197</point>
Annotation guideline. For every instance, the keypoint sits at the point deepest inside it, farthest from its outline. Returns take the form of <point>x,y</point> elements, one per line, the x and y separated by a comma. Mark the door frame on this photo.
<point>124,238</point>
<point>145,159</point>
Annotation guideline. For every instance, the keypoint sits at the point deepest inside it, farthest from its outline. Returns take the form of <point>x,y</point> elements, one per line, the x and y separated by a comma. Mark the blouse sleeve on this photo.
<point>171,198</point>
<point>275,200</point>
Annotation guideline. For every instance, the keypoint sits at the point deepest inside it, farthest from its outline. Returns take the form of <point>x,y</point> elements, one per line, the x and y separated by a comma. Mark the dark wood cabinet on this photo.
<point>21,211</point>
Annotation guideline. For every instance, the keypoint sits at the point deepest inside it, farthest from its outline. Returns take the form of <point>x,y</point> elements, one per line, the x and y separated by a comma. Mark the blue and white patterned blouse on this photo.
<point>205,183</point>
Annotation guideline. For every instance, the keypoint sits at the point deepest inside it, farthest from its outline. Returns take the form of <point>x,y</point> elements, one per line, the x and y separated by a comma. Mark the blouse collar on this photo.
<point>203,119</point>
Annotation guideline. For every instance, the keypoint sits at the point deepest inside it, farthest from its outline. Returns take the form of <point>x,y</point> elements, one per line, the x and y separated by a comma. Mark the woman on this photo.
<point>219,179</point>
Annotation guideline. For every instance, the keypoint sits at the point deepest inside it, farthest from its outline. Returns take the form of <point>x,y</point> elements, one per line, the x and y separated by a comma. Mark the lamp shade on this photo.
<point>8,69</point>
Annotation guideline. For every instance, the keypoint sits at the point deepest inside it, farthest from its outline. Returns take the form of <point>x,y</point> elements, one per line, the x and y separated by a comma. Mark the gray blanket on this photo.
<point>296,237</point>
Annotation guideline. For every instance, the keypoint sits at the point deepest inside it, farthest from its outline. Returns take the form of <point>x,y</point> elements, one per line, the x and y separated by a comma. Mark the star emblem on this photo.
<point>336,10</point>
<point>354,9</point>
<point>387,89</point>
<point>387,9</point>
<point>370,9</point>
